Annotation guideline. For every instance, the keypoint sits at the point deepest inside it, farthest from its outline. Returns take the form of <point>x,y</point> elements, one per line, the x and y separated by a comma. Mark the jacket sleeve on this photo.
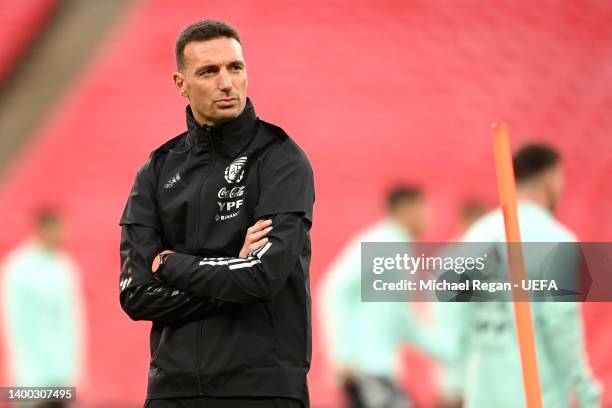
<point>287,197</point>
<point>141,296</point>
<point>562,326</point>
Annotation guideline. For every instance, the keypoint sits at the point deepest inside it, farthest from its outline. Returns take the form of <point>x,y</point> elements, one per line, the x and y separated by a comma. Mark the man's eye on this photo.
<point>236,67</point>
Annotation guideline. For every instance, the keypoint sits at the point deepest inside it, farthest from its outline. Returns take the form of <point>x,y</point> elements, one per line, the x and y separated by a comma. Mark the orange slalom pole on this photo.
<point>522,309</point>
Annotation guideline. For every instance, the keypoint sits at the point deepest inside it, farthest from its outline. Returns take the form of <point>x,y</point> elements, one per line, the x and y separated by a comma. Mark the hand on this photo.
<point>155,265</point>
<point>256,237</point>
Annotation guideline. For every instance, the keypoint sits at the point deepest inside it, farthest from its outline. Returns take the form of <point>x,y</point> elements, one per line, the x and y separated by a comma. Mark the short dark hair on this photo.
<point>202,31</point>
<point>402,194</point>
<point>46,216</point>
<point>532,160</point>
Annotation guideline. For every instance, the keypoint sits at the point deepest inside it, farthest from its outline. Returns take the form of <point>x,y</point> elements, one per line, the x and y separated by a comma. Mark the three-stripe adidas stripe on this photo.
<point>237,263</point>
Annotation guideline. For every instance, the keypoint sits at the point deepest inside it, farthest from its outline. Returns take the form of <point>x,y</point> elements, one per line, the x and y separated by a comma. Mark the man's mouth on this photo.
<point>225,102</point>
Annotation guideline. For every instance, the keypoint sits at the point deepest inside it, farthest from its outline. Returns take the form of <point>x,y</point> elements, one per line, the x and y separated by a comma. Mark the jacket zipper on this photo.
<point>199,191</point>
<point>197,223</point>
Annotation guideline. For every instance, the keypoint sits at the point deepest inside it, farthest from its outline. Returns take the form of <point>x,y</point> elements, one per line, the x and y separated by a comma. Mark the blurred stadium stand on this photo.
<point>20,21</point>
<point>64,41</point>
<point>373,92</point>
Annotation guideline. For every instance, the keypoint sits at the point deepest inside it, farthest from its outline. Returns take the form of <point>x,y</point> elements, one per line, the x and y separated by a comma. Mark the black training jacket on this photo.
<point>222,326</point>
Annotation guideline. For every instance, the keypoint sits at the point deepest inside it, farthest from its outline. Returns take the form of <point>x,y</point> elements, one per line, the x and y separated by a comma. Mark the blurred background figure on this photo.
<point>42,304</point>
<point>493,376</point>
<point>364,338</point>
<point>446,319</point>
<point>445,324</point>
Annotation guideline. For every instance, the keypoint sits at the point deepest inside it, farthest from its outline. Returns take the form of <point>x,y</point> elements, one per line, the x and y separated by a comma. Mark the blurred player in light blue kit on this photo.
<point>489,347</point>
<point>42,308</point>
<point>446,321</point>
<point>364,338</point>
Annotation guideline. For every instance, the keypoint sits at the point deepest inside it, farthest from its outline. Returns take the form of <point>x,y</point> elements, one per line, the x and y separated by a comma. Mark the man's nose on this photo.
<point>225,81</point>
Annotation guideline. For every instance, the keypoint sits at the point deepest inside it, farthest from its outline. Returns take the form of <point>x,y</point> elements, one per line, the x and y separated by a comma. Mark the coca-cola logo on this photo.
<point>231,192</point>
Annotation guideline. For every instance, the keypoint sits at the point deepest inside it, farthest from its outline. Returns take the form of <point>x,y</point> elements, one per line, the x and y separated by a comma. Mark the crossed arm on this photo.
<point>190,287</point>
<point>143,298</point>
<point>255,239</point>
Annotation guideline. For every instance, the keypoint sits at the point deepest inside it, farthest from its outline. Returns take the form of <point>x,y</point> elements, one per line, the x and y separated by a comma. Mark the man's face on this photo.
<point>553,185</point>
<point>214,79</point>
<point>52,234</point>
<point>413,216</point>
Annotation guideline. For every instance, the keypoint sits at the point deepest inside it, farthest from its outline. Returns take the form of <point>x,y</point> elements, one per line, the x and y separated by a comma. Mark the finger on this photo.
<point>256,236</point>
<point>253,236</point>
<point>262,224</point>
<point>256,245</point>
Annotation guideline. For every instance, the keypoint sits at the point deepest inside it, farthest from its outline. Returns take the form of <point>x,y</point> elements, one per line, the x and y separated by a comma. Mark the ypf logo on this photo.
<point>235,171</point>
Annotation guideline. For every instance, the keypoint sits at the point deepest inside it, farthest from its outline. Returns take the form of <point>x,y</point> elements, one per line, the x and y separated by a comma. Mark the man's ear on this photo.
<point>179,83</point>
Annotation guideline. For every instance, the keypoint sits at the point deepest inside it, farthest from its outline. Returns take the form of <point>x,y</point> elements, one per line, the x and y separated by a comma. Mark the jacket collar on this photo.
<point>228,138</point>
